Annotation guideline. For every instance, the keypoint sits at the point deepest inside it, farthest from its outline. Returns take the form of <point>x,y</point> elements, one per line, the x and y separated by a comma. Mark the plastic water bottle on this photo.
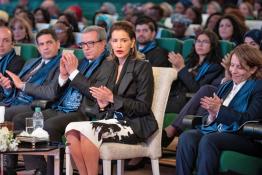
<point>38,119</point>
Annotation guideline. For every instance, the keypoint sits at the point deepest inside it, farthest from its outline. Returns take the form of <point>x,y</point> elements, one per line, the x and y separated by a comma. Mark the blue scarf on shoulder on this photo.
<point>18,97</point>
<point>202,71</point>
<point>149,46</point>
<point>239,103</point>
<point>71,99</point>
<point>7,58</point>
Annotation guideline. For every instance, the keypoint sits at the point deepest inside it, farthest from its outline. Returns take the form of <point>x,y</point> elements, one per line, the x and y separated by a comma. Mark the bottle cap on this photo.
<point>37,109</point>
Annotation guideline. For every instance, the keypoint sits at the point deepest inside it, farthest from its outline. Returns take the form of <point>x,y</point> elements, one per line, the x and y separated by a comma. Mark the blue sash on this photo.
<point>18,97</point>
<point>149,46</point>
<point>202,71</point>
<point>71,99</point>
<point>6,60</point>
<point>239,103</point>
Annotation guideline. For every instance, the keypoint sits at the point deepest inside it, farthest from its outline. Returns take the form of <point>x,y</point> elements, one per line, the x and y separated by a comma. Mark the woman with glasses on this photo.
<point>65,35</point>
<point>202,67</point>
<point>123,106</point>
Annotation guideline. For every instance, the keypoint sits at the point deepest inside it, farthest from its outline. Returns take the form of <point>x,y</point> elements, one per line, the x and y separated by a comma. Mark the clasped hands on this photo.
<point>176,60</point>
<point>212,105</point>
<point>103,95</point>
<point>68,64</point>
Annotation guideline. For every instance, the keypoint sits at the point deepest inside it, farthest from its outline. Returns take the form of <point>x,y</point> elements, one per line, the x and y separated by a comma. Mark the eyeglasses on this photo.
<point>89,44</point>
<point>202,42</point>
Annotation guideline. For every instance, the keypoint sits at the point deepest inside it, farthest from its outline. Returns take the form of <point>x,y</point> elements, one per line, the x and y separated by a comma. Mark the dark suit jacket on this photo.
<point>158,57</point>
<point>134,95</point>
<point>16,64</point>
<point>99,77</point>
<point>227,115</point>
<point>46,91</point>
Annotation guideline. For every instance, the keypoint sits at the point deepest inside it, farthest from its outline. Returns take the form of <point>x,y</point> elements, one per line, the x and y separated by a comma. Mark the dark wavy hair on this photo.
<point>214,55</point>
<point>69,31</point>
<point>239,28</point>
<point>45,13</point>
<point>72,20</point>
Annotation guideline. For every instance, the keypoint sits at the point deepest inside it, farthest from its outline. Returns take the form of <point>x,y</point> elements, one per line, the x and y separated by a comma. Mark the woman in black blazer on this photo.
<point>200,68</point>
<point>237,101</point>
<point>124,106</point>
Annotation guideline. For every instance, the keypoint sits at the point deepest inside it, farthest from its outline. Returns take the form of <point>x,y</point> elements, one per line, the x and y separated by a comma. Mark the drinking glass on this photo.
<point>29,127</point>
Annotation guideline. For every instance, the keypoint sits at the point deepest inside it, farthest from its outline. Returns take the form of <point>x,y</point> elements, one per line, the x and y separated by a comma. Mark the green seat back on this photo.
<point>240,163</point>
<point>28,51</point>
<point>79,53</point>
<point>225,47</point>
<point>187,48</point>
<point>169,118</point>
<point>170,44</point>
<point>166,33</point>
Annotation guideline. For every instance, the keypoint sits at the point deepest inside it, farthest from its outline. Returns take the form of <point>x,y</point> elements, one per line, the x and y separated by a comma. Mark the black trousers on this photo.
<point>55,123</point>
<point>193,107</point>
<point>203,151</point>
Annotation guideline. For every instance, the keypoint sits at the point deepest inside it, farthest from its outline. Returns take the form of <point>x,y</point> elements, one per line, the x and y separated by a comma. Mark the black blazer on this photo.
<point>99,77</point>
<point>134,95</point>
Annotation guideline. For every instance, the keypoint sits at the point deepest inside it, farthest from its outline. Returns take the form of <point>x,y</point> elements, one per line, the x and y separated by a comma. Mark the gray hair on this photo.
<point>100,31</point>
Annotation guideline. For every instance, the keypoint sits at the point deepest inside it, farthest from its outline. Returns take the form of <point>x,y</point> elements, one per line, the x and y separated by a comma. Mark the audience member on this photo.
<point>212,21</point>
<point>145,29</point>
<point>167,9</point>
<point>213,7</point>
<point>203,67</point>
<point>77,12</point>
<point>194,15</point>
<point>65,35</point>
<point>4,17</point>
<point>124,102</point>
<point>41,15</point>
<point>51,7</point>
<point>105,21</point>
<point>182,5</point>
<point>231,29</point>
<point>9,59</point>
<point>247,10</point>
<point>35,81</point>
<point>75,81</point>
<point>70,19</point>
<point>251,38</point>
<point>180,24</point>
<point>21,29</point>
<point>29,17</point>
<point>109,8</point>
<point>237,101</point>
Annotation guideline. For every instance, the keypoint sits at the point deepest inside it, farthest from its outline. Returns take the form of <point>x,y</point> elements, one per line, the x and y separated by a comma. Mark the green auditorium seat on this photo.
<point>27,51</point>
<point>166,33</point>
<point>225,47</point>
<point>170,44</point>
<point>187,48</point>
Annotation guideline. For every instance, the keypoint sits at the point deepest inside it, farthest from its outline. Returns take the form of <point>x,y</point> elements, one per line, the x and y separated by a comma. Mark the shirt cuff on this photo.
<point>23,87</point>
<point>73,74</point>
<point>61,81</point>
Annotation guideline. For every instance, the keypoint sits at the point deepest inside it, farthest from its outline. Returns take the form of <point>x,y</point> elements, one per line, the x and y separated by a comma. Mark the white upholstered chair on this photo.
<point>163,78</point>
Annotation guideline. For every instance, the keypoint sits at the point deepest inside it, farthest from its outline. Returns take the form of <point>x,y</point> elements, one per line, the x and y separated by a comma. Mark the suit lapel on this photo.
<point>127,77</point>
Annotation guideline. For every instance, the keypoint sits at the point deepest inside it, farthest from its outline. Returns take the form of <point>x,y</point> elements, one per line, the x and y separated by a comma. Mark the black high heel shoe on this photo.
<point>139,165</point>
<point>165,139</point>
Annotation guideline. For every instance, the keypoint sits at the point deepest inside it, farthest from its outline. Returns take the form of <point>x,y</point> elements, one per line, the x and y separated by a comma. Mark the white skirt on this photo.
<point>100,131</point>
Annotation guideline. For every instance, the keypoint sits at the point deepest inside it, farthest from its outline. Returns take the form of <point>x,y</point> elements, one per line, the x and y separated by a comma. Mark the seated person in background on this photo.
<point>41,15</point>
<point>236,101</point>
<point>104,20</point>
<point>124,104</point>
<point>202,67</point>
<point>180,24</point>
<point>22,30</point>
<point>230,28</point>
<point>8,58</point>
<point>252,38</point>
<point>65,35</point>
<point>146,29</point>
<point>70,19</point>
<point>74,95</point>
<point>36,80</point>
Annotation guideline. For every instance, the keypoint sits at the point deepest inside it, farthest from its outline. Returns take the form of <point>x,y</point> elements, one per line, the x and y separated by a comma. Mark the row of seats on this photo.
<point>28,51</point>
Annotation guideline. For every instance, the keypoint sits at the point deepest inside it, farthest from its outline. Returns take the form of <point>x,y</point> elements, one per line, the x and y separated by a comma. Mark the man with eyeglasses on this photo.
<point>8,58</point>
<point>74,82</point>
<point>146,29</point>
<point>36,80</point>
